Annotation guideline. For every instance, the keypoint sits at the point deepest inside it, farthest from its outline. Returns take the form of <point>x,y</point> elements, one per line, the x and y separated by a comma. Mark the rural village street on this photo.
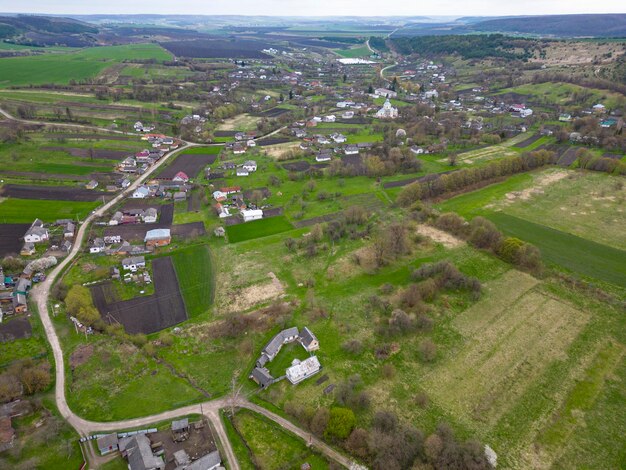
<point>41,296</point>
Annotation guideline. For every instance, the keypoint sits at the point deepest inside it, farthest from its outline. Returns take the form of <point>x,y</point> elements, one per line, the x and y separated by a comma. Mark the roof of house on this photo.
<point>150,212</point>
<point>106,441</point>
<point>157,234</point>
<point>133,260</point>
<point>140,455</point>
<point>307,336</point>
<point>277,341</point>
<point>180,424</point>
<point>262,376</point>
<point>208,461</point>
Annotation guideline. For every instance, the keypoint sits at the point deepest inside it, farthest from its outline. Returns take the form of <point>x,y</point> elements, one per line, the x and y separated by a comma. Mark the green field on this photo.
<point>354,52</point>
<point>271,447</point>
<point>21,211</point>
<point>79,65</point>
<point>195,278</point>
<point>258,229</point>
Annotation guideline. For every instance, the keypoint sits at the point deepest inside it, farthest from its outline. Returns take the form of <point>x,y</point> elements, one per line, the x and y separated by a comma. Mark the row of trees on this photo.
<point>24,378</point>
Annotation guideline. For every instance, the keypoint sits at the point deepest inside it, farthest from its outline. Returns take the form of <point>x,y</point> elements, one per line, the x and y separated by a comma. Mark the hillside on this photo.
<point>40,30</point>
<point>559,25</point>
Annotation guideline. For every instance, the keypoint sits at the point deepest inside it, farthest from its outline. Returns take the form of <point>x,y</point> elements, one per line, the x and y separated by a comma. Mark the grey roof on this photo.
<point>180,424</point>
<point>157,234</point>
<point>134,260</point>
<point>107,441</point>
<point>307,337</point>
<point>208,462</point>
<point>140,455</point>
<point>262,376</point>
<point>272,348</point>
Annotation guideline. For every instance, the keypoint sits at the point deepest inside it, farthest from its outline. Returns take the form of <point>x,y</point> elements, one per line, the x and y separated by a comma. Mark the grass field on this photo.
<point>355,52</point>
<point>241,122</point>
<point>18,211</point>
<point>272,447</point>
<point>195,278</point>
<point>78,65</point>
<point>258,228</point>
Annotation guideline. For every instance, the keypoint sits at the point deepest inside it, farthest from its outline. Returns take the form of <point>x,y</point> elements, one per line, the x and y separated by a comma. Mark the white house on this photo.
<point>330,118</point>
<point>242,172</point>
<point>37,233</point>
<point>351,150</point>
<point>97,246</point>
<point>347,115</point>
<point>301,370</point>
<point>430,94</point>
<point>385,93</point>
<point>339,138</point>
<point>250,165</point>
<point>141,192</point>
<point>416,150</point>
<point>133,263</point>
<point>150,216</point>
<point>252,214</point>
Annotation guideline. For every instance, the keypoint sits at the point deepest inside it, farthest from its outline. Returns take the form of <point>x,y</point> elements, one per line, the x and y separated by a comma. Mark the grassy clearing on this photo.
<point>21,211</point>
<point>355,52</point>
<point>118,381</point>
<point>568,251</point>
<point>258,229</point>
<point>273,447</point>
<point>241,122</point>
<point>195,277</point>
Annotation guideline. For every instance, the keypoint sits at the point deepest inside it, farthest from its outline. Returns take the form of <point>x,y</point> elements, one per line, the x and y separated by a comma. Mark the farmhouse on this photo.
<point>150,216</point>
<point>210,461</point>
<point>219,196</point>
<point>138,451</point>
<point>301,370</point>
<point>97,246</point>
<point>250,166</point>
<point>68,231</point>
<point>158,237</point>
<point>107,443</point>
<point>242,172</point>
<point>351,150</point>
<point>339,138</point>
<point>36,233</point>
<point>238,149</point>
<point>323,155</point>
<point>262,377</point>
<point>272,348</point>
<point>180,177</point>
<point>347,115</point>
<point>133,263</point>
<point>252,214</point>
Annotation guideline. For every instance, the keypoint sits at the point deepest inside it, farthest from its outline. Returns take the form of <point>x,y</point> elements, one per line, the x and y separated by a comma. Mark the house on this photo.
<point>262,377</point>
<point>239,148</point>
<point>272,348</point>
<point>251,143</point>
<point>158,237</point>
<point>301,370</point>
<point>223,211</point>
<point>416,150</point>
<point>36,233</point>
<point>66,246</point>
<point>133,263</point>
<point>526,112</point>
<point>180,196</point>
<point>228,166</point>
<point>210,461</point>
<point>219,196</point>
<point>329,118</point>
<point>68,231</point>
<point>138,451</point>
<point>28,249</point>
<point>116,219</point>
<point>93,184</point>
<point>299,133</point>
<point>141,192</point>
<point>107,443</point>
<point>385,93</point>
<point>323,155</point>
<point>351,150</point>
<point>249,165</point>
<point>253,214</point>
<point>220,232</point>
<point>387,111</point>
<point>242,172</point>
<point>19,303</point>
<point>347,115</point>
<point>230,189</point>
<point>308,340</point>
<point>565,117</point>
<point>150,216</point>
<point>109,239</point>
<point>97,246</point>
<point>180,177</point>
<point>431,94</point>
<point>339,138</point>
<point>599,108</point>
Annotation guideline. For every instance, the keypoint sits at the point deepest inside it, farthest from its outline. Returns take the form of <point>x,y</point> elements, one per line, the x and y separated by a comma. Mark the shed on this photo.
<point>107,443</point>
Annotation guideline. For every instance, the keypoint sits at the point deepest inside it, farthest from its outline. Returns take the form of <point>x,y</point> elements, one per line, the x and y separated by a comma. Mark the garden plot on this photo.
<point>10,238</point>
<point>512,336</point>
<point>484,154</point>
<point>245,298</point>
<point>241,122</point>
<point>51,193</point>
<point>189,163</point>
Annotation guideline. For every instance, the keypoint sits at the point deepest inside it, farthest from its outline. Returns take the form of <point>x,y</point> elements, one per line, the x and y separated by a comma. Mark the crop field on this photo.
<point>10,235</point>
<point>146,314</point>
<point>241,122</point>
<point>270,446</point>
<point>22,211</point>
<point>75,65</point>
<point>196,278</point>
<point>485,154</point>
<point>355,52</point>
<point>51,193</point>
<point>258,228</point>
<point>189,163</point>
<point>218,48</point>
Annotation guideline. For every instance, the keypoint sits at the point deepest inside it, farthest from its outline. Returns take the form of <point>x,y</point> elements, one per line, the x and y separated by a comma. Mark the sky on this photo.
<point>316,7</point>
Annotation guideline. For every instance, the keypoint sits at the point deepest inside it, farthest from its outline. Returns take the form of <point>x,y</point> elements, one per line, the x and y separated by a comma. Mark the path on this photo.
<point>382,71</point>
<point>40,295</point>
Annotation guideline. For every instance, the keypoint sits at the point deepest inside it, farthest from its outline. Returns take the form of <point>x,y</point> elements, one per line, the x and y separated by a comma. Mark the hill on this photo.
<point>558,25</point>
<point>44,30</point>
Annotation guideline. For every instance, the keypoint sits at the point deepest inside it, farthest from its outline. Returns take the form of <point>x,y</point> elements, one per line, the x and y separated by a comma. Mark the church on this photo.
<point>387,111</point>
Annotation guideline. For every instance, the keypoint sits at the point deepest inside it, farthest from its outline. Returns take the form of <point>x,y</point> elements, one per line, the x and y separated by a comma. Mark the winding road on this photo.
<point>40,295</point>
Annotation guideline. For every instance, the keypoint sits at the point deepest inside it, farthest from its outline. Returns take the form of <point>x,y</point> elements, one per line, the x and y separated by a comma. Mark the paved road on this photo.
<point>40,294</point>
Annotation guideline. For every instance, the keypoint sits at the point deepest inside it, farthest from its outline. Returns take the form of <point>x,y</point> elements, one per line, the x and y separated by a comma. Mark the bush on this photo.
<point>451,222</point>
<point>319,422</point>
<point>352,346</point>
<point>340,424</point>
<point>427,350</point>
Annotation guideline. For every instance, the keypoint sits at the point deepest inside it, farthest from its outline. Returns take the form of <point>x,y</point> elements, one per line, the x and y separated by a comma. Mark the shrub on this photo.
<point>427,350</point>
<point>340,423</point>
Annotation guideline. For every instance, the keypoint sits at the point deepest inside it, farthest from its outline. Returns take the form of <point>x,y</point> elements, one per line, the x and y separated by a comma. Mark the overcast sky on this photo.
<point>316,7</point>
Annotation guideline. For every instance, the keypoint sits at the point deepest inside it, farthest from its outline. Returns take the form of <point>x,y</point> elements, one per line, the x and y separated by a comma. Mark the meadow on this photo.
<point>73,65</point>
<point>258,229</point>
<point>195,277</point>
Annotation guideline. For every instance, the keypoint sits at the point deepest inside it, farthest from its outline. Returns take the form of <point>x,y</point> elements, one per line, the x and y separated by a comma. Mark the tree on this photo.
<point>290,94</point>
<point>432,447</point>
<point>345,77</point>
<point>35,379</point>
<point>256,197</point>
<point>281,98</point>
<point>340,423</point>
<point>68,113</point>
<point>357,443</point>
<point>77,299</point>
<point>320,421</point>
<point>370,89</point>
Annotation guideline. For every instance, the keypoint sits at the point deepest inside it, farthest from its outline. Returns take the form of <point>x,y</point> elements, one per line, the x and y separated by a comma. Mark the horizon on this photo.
<point>331,8</point>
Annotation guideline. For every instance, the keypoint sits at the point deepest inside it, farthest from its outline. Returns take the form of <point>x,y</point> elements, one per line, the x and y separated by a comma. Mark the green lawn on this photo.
<point>271,446</point>
<point>258,229</point>
<point>21,211</point>
<point>195,277</point>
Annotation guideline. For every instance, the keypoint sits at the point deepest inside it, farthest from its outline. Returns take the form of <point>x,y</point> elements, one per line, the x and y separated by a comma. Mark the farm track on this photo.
<point>41,297</point>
